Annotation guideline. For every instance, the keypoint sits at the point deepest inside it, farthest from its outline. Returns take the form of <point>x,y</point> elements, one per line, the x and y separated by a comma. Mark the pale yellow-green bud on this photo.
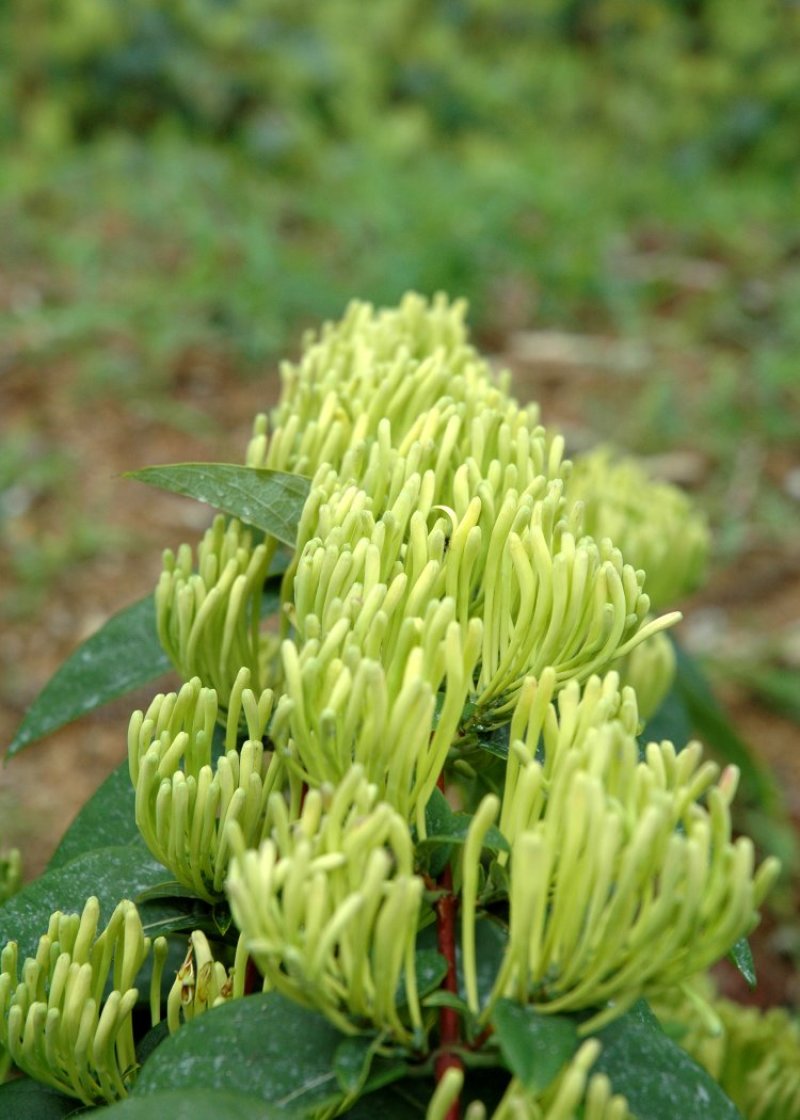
<point>209,613</point>
<point>624,878</point>
<point>202,982</point>
<point>10,874</point>
<point>329,907</point>
<point>649,670</point>
<point>754,1055</point>
<point>395,364</point>
<point>574,1095</point>
<point>185,798</point>
<point>342,707</point>
<point>654,524</point>
<point>58,1021</point>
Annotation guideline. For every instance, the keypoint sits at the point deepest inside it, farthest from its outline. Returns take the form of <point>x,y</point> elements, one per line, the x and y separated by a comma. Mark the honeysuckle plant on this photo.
<point>399,842</point>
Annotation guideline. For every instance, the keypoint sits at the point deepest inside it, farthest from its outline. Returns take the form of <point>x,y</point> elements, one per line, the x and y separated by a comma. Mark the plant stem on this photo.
<point>449,1022</point>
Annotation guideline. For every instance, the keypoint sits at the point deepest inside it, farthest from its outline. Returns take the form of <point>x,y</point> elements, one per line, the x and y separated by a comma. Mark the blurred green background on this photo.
<point>186,186</point>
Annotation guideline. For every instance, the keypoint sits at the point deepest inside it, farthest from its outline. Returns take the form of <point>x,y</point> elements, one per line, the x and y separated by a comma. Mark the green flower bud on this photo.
<point>754,1055</point>
<point>184,800</point>
<point>209,618</point>
<point>650,671</point>
<point>623,875</point>
<point>56,1021</point>
<point>329,907</point>
<point>654,524</point>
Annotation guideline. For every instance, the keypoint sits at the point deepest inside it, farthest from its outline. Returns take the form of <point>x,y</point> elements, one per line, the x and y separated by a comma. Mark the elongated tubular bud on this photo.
<point>329,909</point>
<point>484,818</point>
<point>183,802</point>
<point>642,883</point>
<point>74,1036</point>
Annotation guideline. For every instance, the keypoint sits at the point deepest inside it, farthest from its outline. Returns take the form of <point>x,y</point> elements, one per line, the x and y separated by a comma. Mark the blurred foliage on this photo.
<point>192,183</point>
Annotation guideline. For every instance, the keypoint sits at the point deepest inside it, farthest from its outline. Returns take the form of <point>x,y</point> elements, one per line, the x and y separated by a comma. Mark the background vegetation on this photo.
<point>186,186</point>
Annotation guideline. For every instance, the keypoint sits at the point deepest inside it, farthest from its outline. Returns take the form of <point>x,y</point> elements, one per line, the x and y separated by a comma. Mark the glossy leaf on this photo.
<point>444,827</point>
<point>106,820</point>
<point>742,956</point>
<point>535,1046</point>
<point>110,874</point>
<point>659,1079</point>
<point>357,1068</point>
<point>26,1099</point>
<point>268,500</point>
<point>124,654</point>
<point>281,1052</point>
<point>192,1104</point>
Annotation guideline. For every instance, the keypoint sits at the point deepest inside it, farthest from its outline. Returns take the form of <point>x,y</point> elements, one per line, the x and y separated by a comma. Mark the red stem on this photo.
<point>449,1022</point>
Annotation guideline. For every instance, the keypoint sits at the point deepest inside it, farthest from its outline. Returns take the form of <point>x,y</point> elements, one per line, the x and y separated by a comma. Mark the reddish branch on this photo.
<point>449,1022</point>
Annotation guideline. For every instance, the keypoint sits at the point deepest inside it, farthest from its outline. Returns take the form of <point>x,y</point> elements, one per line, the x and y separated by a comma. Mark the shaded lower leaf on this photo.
<point>659,1079</point>
<point>106,820</point>
<point>192,1104</point>
<point>443,827</point>
<point>357,1068</point>
<point>122,655</point>
<point>535,1046</point>
<point>26,1099</point>
<point>277,1050</point>
<point>403,1100</point>
<point>110,874</point>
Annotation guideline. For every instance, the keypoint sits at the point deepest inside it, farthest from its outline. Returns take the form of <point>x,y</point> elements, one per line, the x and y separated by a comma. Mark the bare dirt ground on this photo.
<point>42,788</point>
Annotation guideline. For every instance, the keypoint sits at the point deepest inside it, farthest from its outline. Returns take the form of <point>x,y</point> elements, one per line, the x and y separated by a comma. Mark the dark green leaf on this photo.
<point>169,888</point>
<point>714,728</point>
<point>491,939</point>
<point>110,874</point>
<point>444,826</point>
<point>403,1100</point>
<point>105,821</point>
<point>494,740</point>
<point>431,969</point>
<point>29,1100</point>
<point>124,654</point>
<point>535,1046</point>
<point>268,500</point>
<point>358,1070</point>
<point>671,721</point>
<point>277,1050</point>
<point>742,956</point>
<point>659,1079</point>
<point>193,1104</point>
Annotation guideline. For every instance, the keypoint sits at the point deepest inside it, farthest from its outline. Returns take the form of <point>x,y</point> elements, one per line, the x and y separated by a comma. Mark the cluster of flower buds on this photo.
<point>342,705</point>
<point>58,1019</point>
<point>202,982</point>
<point>184,797</point>
<point>10,873</point>
<point>329,907</point>
<point>209,619</point>
<point>624,878</point>
<point>574,1094</point>
<point>753,1054</point>
<point>653,523</point>
<point>545,595</point>
<point>372,365</point>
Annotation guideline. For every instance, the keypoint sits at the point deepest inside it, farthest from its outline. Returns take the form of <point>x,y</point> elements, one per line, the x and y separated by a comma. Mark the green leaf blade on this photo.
<point>535,1046</point>
<point>742,956</point>
<point>658,1079</point>
<point>193,1104</point>
<point>109,874</point>
<point>105,821</point>
<point>268,500</point>
<point>282,1053</point>
<point>122,655</point>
